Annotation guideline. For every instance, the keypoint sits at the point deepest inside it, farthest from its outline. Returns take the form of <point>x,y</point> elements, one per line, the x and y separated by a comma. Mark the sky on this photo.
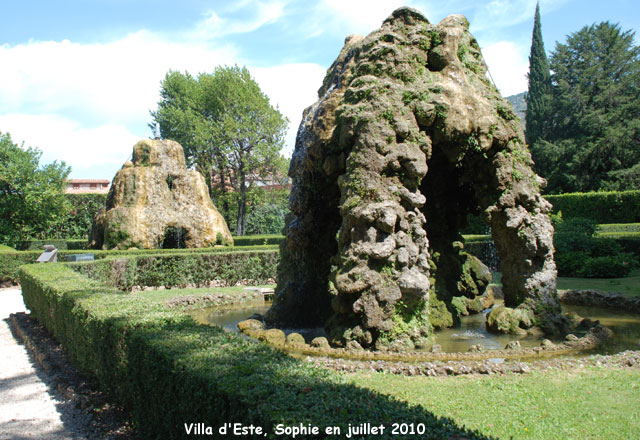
<point>78,78</point>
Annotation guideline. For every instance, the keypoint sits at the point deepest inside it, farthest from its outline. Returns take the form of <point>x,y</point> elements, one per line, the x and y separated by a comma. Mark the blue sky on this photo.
<point>79,77</point>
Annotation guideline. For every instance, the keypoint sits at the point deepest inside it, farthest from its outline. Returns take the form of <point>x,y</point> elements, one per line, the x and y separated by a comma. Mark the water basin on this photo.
<point>625,326</point>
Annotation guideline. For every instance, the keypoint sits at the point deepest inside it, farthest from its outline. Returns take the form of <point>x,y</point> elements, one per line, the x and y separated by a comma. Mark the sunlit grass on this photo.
<point>588,404</point>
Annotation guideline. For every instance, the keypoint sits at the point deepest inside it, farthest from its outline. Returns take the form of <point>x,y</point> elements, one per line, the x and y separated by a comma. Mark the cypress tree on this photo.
<point>539,96</point>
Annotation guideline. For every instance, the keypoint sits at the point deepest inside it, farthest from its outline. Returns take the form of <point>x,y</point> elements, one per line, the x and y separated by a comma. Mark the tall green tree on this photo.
<point>230,132</point>
<point>594,134</point>
<point>31,196</point>
<point>538,97</point>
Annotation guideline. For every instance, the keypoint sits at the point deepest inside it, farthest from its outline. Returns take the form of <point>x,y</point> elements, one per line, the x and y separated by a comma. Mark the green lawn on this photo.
<point>589,404</point>
<point>628,286</point>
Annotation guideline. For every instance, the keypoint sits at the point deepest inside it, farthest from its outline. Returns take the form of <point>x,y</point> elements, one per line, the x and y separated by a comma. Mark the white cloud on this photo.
<point>89,103</point>
<point>60,138</point>
<point>252,15</point>
<point>293,87</point>
<point>115,82</point>
<point>352,16</point>
<point>508,66</point>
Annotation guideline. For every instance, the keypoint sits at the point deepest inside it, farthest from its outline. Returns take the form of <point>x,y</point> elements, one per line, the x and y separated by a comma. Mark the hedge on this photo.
<point>76,244</point>
<point>59,243</point>
<point>169,371</point>
<point>253,240</point>
<point>183,269</point>
<point>601,207</point>
<point>10,261</point>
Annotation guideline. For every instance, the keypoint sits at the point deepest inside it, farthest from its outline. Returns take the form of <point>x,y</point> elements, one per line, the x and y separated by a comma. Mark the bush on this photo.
<point>569,264</point>
<point>266,219</point>
<point>257,240</point>
<point>77,223</point>
<point>181,270</point>
<point>167,370</point>
<point>600,207</point>
<point>10,261</point>
<point>60,244</point>
<point>616,266</point>
<point>580,254</point>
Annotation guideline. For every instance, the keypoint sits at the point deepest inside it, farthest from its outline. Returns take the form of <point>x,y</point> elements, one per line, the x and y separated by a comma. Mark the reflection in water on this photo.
<point>472,331</point>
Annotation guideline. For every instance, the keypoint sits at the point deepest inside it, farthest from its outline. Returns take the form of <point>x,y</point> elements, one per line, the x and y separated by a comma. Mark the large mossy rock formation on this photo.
<point>156,202</point>
<point>407,138</point>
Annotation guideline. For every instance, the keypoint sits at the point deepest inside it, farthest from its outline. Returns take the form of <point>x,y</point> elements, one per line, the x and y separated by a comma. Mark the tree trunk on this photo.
<point>241,226</point>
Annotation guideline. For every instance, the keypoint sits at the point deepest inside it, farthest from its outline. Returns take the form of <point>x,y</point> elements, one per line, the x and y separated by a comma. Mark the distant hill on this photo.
<point>519,105</point>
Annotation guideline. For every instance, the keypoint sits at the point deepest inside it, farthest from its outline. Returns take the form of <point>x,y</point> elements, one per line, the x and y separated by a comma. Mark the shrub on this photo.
<point>601,207</point>
<point>10,261</point>
<point>569,264</point>
<point>616,266</point>
<point>580,254</point>
<point>181,270</point>
<point>77,224</point>
<point>257,240</point>
<point>266,219</point>
<point>60,244</point>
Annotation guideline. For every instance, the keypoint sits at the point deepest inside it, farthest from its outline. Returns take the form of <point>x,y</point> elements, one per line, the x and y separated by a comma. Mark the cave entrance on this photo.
<point>450,190</point>
<point>174,238</point>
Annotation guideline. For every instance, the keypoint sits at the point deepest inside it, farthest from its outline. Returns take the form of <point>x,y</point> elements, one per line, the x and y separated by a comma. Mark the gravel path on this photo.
<point>29,407</point>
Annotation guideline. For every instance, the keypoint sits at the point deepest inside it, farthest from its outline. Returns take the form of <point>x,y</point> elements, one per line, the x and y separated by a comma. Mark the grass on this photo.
<point>588,404</point>
<point>162,295</point>
<point>627,286</point>
<point>618,227</point>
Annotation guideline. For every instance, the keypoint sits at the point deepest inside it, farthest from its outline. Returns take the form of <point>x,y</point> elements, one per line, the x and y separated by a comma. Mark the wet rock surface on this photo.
<point>408,137</point>
<point>597,298</point>
<point>156,202</point>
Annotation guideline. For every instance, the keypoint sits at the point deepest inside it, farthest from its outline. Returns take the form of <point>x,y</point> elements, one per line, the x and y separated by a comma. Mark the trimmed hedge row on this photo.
<point>182,270</point>
<point>64,244</point>
<point>601,207</point>
<point>60,244</point>
<point>170,372</point>
<point>254,240</point>
<point>11,260</point>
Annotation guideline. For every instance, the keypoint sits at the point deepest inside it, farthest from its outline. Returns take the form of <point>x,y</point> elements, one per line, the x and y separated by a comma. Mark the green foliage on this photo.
<point>601,207</point>
<point>181,270</point>
<point>10,261</point>
<point>267,213</point>
<point>31,195</point>
<point>594,140</point>
<point>60,244</point>
<point>257,240</point>
<point>579,254</point>
<point>77,223</point>
<point>152,358</point>
<point>229,131</point>
<point>539,94</point>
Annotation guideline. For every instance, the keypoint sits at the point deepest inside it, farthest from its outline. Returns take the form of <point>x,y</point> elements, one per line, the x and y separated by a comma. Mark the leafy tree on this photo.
<point>594,138</point>
<point>539,96</point>
<point>267,216</point>
<point>31,196</point>
<point>229,130</point>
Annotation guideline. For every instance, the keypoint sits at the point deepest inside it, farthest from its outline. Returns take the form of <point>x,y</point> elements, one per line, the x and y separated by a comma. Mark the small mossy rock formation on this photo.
<point>155,202</point>
<point>407,138</point>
